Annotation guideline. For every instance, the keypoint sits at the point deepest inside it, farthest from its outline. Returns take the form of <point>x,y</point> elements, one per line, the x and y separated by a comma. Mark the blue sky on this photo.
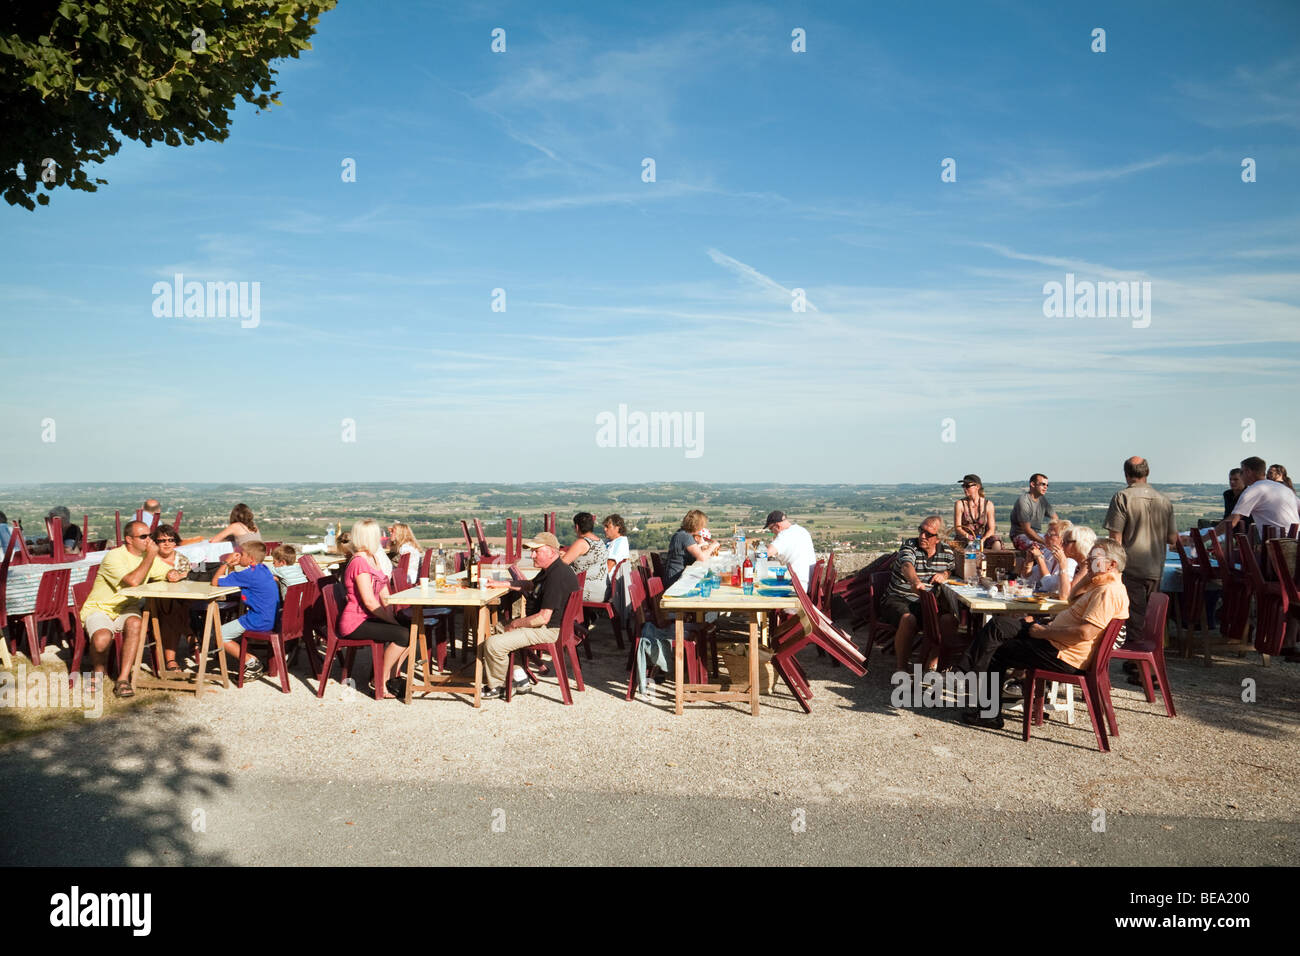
<point>775,170</point>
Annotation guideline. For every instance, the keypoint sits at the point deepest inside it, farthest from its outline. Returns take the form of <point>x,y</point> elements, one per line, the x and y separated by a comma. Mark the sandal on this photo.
<point>123,688</point>
<point>173,667</point>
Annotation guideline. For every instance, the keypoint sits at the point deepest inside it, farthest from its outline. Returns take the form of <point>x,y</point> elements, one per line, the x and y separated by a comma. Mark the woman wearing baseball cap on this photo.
<point>972,515</point>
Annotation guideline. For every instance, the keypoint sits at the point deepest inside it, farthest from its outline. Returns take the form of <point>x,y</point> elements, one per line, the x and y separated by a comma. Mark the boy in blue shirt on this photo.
<point>261,597</point>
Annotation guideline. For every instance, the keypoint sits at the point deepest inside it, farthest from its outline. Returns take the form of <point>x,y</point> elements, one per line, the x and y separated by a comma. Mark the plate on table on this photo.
<point>775,582</point>
<point>776,591</point>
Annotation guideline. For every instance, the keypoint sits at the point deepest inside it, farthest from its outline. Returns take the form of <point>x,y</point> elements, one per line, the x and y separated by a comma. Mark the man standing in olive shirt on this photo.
<point>1141,519</point>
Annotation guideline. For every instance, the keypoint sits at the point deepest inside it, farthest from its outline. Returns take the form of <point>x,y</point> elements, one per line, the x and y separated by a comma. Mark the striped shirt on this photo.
<point>926,566</point>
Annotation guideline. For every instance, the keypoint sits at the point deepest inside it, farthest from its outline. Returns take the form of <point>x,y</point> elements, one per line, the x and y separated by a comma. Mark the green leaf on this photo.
<point>163,89</point>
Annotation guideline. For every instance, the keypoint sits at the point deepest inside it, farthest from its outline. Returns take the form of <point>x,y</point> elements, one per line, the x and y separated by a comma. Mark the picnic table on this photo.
<point>479,605</point>
<point>978,601</point>
<point>181,591</point>
<point>683,598</point>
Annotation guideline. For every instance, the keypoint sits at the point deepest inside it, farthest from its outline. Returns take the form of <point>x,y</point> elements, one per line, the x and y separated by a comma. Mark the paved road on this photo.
<point>270,820</point>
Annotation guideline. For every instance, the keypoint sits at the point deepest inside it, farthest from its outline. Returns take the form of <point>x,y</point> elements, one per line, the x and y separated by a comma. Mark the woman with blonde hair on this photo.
<point>366,615</point>
<point>403,541</point>
<point>683,549</point>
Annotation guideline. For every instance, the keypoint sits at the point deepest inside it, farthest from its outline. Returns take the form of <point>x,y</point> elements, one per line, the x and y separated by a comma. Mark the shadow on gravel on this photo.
<point>109,793</point>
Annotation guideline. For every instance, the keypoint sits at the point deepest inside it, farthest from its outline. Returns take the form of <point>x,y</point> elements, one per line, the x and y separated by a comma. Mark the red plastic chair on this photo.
<point>812,626</point>
<point>469,541</point>
<point>607,606</point>
<point>1284,558</point>
<point>948,646</point>
<point>310,569</point>
<point>51,605</point>
<point>60,553</point>
<point>5,564</point>
<point>1192,605</point>
<point>483,548</point>
<point>180,513</point>
<point>1216,565</point>
<point>335,644</point>
<point>646,595</point>
<point>1270,601</point>
<point>290,628</point>
<point>400,579</point>
<point>1151,654</point>
<point>1094,683</point>
<point>564,646</point>
<point>881,632</point>
<point>80,592</point>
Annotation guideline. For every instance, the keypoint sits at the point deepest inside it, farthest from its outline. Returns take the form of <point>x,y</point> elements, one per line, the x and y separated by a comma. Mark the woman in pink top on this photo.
<point>367,616</point>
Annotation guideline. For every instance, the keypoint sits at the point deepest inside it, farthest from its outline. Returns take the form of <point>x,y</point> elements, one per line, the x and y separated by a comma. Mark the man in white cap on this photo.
<point>793,546</point>
<point>543,607</point>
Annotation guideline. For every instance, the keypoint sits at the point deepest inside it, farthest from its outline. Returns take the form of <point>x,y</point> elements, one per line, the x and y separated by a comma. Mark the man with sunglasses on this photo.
<point>1030,512</point>
<point>107,612</point>
<point>922,562</point>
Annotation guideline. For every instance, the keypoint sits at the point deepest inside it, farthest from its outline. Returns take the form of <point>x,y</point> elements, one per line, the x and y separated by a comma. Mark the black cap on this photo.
<point>972,480</point>
<point>773,518</point>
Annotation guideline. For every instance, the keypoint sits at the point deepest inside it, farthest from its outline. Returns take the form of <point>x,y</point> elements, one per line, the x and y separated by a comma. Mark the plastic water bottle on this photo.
<point>330,540</point>
<point>971,570</point>
<point>440,571</point>
<point>740,543</point>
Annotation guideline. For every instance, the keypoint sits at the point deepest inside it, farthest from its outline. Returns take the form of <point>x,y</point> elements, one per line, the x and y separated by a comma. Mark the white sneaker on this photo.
<point>519,674</point>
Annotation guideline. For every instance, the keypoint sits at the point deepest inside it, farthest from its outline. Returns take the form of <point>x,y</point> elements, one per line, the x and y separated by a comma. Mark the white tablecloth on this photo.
<point>25,579</point>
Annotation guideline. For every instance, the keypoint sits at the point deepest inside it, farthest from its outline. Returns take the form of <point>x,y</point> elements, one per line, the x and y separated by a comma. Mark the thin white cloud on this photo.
<point>749,273</point>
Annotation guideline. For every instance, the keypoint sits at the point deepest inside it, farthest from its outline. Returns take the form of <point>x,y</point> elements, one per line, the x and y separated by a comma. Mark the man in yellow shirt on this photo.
<point>107,612</point>
<point>1066,644</point>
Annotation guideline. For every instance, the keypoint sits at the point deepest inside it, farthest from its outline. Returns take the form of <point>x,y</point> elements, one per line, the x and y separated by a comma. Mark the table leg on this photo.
<point>753,666</point>
<point>480,642</point>
<point>417,634</point>
<point>216,642</point>
<point>137,665</point>
<point>159,661</point>
<point>679,635</point>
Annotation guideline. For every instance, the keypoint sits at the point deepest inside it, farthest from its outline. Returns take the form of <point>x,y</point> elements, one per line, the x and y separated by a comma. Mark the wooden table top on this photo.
<point>977,600</point>
<point>180,591</point>
<point>726,598</point>
<point>451,597</point>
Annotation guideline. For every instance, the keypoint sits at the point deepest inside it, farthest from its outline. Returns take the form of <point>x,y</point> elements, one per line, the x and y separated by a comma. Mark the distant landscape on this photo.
<point>866,518</point>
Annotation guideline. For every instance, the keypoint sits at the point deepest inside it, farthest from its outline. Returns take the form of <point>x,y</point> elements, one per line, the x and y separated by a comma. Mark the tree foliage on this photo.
<point>76,76</point>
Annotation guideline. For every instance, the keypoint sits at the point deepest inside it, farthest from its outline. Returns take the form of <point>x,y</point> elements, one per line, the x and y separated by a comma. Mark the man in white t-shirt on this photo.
<point>1264,502</point>
<point>793,546</point>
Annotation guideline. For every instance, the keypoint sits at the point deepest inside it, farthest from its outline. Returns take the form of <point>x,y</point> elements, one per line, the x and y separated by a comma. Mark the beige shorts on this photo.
<point>99,621</point>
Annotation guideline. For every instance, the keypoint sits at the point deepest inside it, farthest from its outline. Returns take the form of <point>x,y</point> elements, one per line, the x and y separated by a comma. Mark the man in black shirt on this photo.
<point>544,607</point>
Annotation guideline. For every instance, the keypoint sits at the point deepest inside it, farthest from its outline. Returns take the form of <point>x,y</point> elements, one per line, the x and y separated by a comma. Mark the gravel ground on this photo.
<point>855,781</point>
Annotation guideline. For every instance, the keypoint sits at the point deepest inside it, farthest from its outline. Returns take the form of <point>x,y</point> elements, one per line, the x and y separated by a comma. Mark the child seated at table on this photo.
<point>284,565</point>
<point>261,599</point>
